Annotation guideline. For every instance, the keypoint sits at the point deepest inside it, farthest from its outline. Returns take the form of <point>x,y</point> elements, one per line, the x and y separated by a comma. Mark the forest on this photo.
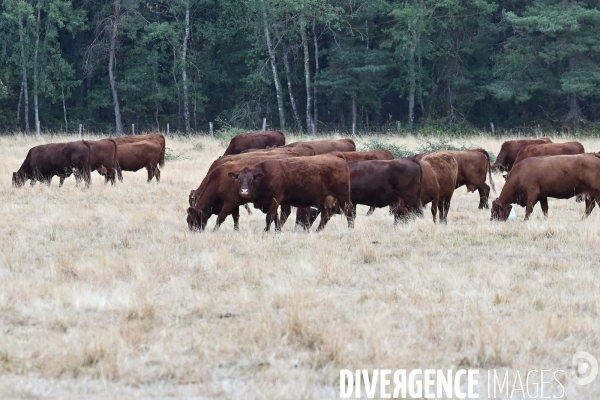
<point>309,66</point>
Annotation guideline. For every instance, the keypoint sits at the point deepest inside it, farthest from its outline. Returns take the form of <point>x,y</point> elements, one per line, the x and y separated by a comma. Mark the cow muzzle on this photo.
<point>245,193</point>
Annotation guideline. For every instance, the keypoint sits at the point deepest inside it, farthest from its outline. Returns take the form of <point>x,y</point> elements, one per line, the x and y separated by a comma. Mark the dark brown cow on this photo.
<point>137,155</point>
<point>510,150</point>
<point>78,155</point>
<point>140,138</point>
<point>262,140</point>
<point>328,146</point>
<point>322,180</point>
<point>104,158</point>
<point>41,164</point>
<point>560,177</point>
<point>440,171</point>
<point>380,183</point>
<point>368,155</point>
<point>220,196</point>
<point>549,149</point>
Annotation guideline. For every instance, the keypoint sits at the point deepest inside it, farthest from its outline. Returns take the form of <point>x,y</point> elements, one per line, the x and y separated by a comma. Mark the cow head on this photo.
<point>196,219</point>
<point>500,212</point>
<point>497,168</point>
<point>246,180</point>
<point>18,180</point>
<point>192,198</point>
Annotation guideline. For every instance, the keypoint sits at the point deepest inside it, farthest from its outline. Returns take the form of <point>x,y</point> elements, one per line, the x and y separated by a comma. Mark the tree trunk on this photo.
<point>574,116</point>
<point>353,115</point>
<point>64,110</point>
<point>309,124</point>
<point>111,73</point>
<point>177,86</point>
<point>19,107</point>
<point>186,108</point>
<point>35,74</point>
<point>24,67</point>
<point>288,76</point>
<point>274,69</point>
<point>315,108</point>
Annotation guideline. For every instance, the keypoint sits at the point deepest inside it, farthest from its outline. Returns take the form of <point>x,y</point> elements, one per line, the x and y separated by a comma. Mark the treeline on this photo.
<point>306,65</point>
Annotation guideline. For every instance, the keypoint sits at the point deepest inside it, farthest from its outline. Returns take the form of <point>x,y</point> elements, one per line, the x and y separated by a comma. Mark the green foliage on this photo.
<point>378,144</point>
<point>198,146</point>
<point>172,156</point>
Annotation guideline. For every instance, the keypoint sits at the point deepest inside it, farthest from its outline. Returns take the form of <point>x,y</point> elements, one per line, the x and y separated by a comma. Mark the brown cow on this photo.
<point>260,140</point>
<point>379,183</point>
<point>440,171</point>
<point>78,156</point>
<point>303,150</point>
<point>140,138</point>
<point>537,178</point>
<point>137,155</point>
<point>328,146</point>
<point>322,180</point>
<point>367,155</point>
<point>41,164</point>
<point>104,158</point>
<point>220,195</point>
<point>549,149</point>
<point>510,150</point>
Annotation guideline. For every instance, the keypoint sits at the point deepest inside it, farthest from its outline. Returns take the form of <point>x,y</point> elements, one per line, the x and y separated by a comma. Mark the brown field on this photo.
<point>104,293</point>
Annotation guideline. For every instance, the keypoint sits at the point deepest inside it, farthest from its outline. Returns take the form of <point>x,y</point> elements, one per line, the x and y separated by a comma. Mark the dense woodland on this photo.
<point>304,65</point>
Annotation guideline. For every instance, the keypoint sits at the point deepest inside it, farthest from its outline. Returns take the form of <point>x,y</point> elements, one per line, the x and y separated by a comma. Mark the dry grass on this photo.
<point>104,293</point>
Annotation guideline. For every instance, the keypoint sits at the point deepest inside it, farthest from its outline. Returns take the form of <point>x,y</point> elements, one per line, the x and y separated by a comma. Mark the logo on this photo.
<point>586,368</point>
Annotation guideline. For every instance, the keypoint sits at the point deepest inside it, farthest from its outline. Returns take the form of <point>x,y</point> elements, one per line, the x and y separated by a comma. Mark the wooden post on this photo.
<point>353,128</point>
<point>80,129</point>
<point>492,128</point>
<point>210,129</point>
<point>264,124</point>
<point>398,124</point>
<point>167,129</point>
<point>132,129</point>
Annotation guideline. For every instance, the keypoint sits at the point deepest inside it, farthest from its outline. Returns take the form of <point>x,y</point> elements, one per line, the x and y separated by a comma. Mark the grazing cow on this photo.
<point>41,164</point>
<point>510,150</point>
<point>322,181</point>
<point>137,155</point>
<point>140,138</point>
<point>549,149</point>
<point>380,183</point>
<point>537,178</point>
<point>104,158</point>
<point>246,141</point>
<point>440,171</point>
<point>303,150</point>
<point>368,155</point>
<point>78,156</point>
<point>328,146</point>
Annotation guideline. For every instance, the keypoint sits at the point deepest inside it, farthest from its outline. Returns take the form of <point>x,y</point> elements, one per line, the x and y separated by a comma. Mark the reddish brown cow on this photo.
<point>78,155</point>
<point>303,150</point>
<point>220,195</point>
<point>298,182</point>
<point>549,149</point>
<point>246,141</point>
<point>510,150</point>
<point>140,138</point>
<point>367,155</point>
<point>440,171</point>
<point>328,146</point>
<point>537,178</point>
<point>41,164</point>
<point>137,155</point>
<point>104,158</point>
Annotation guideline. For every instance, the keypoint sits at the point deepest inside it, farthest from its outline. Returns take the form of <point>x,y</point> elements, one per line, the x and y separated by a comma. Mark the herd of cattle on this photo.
<point>107,156</point>
<point>329,176</point>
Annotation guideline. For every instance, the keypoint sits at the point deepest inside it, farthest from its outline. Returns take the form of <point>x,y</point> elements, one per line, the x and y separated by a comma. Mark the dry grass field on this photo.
<point>104,293</point>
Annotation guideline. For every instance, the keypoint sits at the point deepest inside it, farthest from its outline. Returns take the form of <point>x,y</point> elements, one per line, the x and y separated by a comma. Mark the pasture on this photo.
<point>105,293</point>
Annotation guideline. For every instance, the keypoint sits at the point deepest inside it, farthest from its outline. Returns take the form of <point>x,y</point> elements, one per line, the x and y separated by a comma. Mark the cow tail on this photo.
<point>88,167</point>
<point>115,162</point>
<point>419,203</point>
<point>489,168</point>
<point>161,158</point>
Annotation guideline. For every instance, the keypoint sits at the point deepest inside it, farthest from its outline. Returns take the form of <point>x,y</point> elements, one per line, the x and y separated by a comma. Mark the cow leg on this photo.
<point>119,173</point>
<point>150,173</point>
<point>590,204</point>
<point>327,211</point>
<point>225,211</point>
<point>272,216</point>
<point>62,180</point>
<point>157,173</point>
<point>544,205</point>
<point>484,194</point>
<point>444,208</point>
<point>350,211</point>
<point>247,207</point>
<point>434,209</point>
<point>235,214</point>
<point>532,199</point>
<point>371,211</point>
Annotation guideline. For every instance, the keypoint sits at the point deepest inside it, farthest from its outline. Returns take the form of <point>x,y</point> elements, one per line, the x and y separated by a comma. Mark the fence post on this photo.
<point>80,129</point>
<point>398,124</point>
<point>264,124</point>
<point>132,129</point>
<point>492,127</point>
<point>353,128</point>
<point>210,129</point>
<point>167,129</point>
